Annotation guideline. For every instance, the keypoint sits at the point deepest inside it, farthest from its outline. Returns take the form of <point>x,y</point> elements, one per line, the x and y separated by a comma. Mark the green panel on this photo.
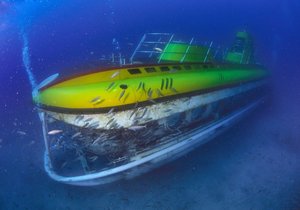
<point>175,48</point>
<point>171,56</point>
<point>200,50</point>
<point>174,52</point>
<point>242,34</point>
<point>234,57</point>
<point>184,52</point>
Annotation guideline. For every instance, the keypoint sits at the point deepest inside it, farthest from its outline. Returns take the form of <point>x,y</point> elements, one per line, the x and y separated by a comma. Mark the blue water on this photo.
<point>255,165</point>
<point>26,60</point>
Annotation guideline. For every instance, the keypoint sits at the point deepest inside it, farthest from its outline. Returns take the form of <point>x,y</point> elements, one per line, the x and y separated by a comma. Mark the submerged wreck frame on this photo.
<point>147,113</point>
<point>180,144</point>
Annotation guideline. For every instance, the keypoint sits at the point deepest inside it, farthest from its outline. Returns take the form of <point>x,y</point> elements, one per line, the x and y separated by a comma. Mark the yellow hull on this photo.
<point>129,86</point>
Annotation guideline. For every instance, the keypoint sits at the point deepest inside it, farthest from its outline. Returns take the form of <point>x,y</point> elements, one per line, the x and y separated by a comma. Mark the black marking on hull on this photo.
<point>171,82</point>
<point>162,84</point>
<point>139,87</point>
<point>167,83</point>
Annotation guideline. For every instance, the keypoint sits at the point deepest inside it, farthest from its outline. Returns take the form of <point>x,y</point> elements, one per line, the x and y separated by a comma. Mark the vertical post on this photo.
<point>46,142</point>
<point>225,53</point>
<point>187,50</point>
<point>208,51</point>
<point>151,53</point>
<point>136,49</point>
<point>217,51</point>
<point>170,40</point>
<point>242,57</point>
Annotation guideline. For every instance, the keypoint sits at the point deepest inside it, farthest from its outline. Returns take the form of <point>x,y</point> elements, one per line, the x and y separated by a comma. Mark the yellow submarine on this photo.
<point>120,121</point>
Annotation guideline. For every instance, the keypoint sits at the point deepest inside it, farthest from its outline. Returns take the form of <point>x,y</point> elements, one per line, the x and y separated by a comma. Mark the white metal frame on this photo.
<point>186,143</point>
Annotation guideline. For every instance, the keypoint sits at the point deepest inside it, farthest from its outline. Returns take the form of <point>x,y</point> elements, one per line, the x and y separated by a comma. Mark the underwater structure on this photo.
<point>120,121</point>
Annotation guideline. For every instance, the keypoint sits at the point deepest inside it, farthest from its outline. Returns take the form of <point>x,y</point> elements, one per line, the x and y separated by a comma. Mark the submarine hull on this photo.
<point>121,121</point>
<point>87,152</point>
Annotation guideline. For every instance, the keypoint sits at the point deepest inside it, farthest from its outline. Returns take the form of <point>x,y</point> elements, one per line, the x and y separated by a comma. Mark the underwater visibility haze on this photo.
<point>117,96</point>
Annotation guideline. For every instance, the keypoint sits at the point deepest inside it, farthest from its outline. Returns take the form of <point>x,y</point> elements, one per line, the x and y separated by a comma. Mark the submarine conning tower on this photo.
<point>242,49</point>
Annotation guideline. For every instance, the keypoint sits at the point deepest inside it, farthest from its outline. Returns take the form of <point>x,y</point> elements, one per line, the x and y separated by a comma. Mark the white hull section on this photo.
<point>163,153</point>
